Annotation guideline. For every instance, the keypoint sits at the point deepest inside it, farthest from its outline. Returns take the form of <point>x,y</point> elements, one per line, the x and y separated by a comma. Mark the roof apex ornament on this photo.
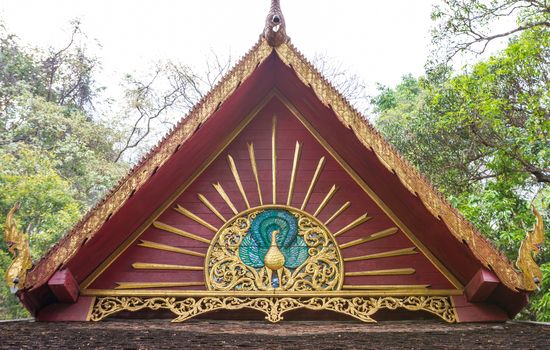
<point>275,27</point>
<point>529,249</point>
<point>18,246</point>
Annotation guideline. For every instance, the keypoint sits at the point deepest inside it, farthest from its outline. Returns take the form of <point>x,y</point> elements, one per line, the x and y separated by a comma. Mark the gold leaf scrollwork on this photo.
<point>321,271</point>
<point>361,308</point>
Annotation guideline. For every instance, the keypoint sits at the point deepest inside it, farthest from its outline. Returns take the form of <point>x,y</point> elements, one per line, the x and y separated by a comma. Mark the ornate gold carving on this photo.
<point>529,249</point>
<point>361,308</point>
<point>18,247</point>
<point>321,271</point>
<point>91,223</point>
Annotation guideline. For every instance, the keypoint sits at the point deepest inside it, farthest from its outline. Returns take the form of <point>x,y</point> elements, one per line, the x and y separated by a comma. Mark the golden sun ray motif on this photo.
<point>274,158</point>
<point>316,175</point>
<point>361,219</point>
<point>390,253</point>
<point>338,212</point>
<point>235,173</point>
<point>387,272</point>
<point>255,171</point>
<point>169,248</point>
<point>385,233</point>
<point>151,266</point>
<point>296,159</point>
<point>143,285</point>
<point>227,250</point>
<point>195,218</point>
<point>225,197</point>
<point>325,200</point>
<point>177,231</point>
<point>209,205</point>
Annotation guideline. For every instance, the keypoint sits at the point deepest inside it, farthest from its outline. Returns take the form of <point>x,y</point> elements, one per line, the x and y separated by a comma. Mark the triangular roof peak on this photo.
<point>273,50</point>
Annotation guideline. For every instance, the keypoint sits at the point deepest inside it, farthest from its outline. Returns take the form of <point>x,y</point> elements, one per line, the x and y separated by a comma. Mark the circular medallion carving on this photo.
<point>273,248</point>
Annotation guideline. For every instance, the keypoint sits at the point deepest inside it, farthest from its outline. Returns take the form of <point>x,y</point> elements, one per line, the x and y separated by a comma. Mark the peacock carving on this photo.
<point>273,241</point>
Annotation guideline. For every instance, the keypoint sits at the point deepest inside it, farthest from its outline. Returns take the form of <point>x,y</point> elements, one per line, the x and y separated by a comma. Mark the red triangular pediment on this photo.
<point>413,242</point>
<point>379,253</point>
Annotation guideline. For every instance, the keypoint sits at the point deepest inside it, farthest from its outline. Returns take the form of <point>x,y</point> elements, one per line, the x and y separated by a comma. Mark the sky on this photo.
<point>378,40</point>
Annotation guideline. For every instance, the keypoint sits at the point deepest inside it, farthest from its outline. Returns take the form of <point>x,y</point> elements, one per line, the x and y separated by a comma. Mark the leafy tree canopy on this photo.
<point>482,137</point>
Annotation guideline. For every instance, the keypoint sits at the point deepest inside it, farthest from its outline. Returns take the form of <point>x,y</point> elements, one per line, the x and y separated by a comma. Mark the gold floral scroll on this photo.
<point>361,308</point>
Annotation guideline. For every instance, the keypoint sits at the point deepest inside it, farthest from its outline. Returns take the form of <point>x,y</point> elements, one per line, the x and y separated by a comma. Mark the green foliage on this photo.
<point>463,26</point>
<point>48,207</point>
<point>540,306</point>
<point>54,157</point>
<point>481,136</point>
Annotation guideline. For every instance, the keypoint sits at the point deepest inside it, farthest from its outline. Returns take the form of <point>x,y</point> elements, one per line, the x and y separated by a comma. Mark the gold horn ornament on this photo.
<point>529,249</point>
<point>18,247</point>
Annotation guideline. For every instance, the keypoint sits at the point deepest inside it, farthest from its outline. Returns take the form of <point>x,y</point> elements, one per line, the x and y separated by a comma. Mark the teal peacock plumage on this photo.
<point>257,242</point>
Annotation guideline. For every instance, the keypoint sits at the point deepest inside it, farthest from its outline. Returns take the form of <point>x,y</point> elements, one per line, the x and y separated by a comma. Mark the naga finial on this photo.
<point>275,27</point>
<point>530,247</point>
<point>18,247</point>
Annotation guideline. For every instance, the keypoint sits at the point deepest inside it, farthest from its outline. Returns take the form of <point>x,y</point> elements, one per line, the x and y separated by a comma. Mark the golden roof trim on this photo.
<point>90,224</point>
<point>407,174</point>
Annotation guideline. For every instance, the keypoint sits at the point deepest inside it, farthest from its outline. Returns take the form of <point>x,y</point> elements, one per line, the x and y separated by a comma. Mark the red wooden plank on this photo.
<point>477,312</point>
<point>481,286</point>
<point>64,286</point>
<point>66,312</point>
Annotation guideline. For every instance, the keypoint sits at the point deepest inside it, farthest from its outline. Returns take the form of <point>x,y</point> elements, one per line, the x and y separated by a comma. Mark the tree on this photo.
<point>156,101</point>
<point>470,25</point>
<point>49,207</point>
<point>481,136</point>
<point>55,157</point>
